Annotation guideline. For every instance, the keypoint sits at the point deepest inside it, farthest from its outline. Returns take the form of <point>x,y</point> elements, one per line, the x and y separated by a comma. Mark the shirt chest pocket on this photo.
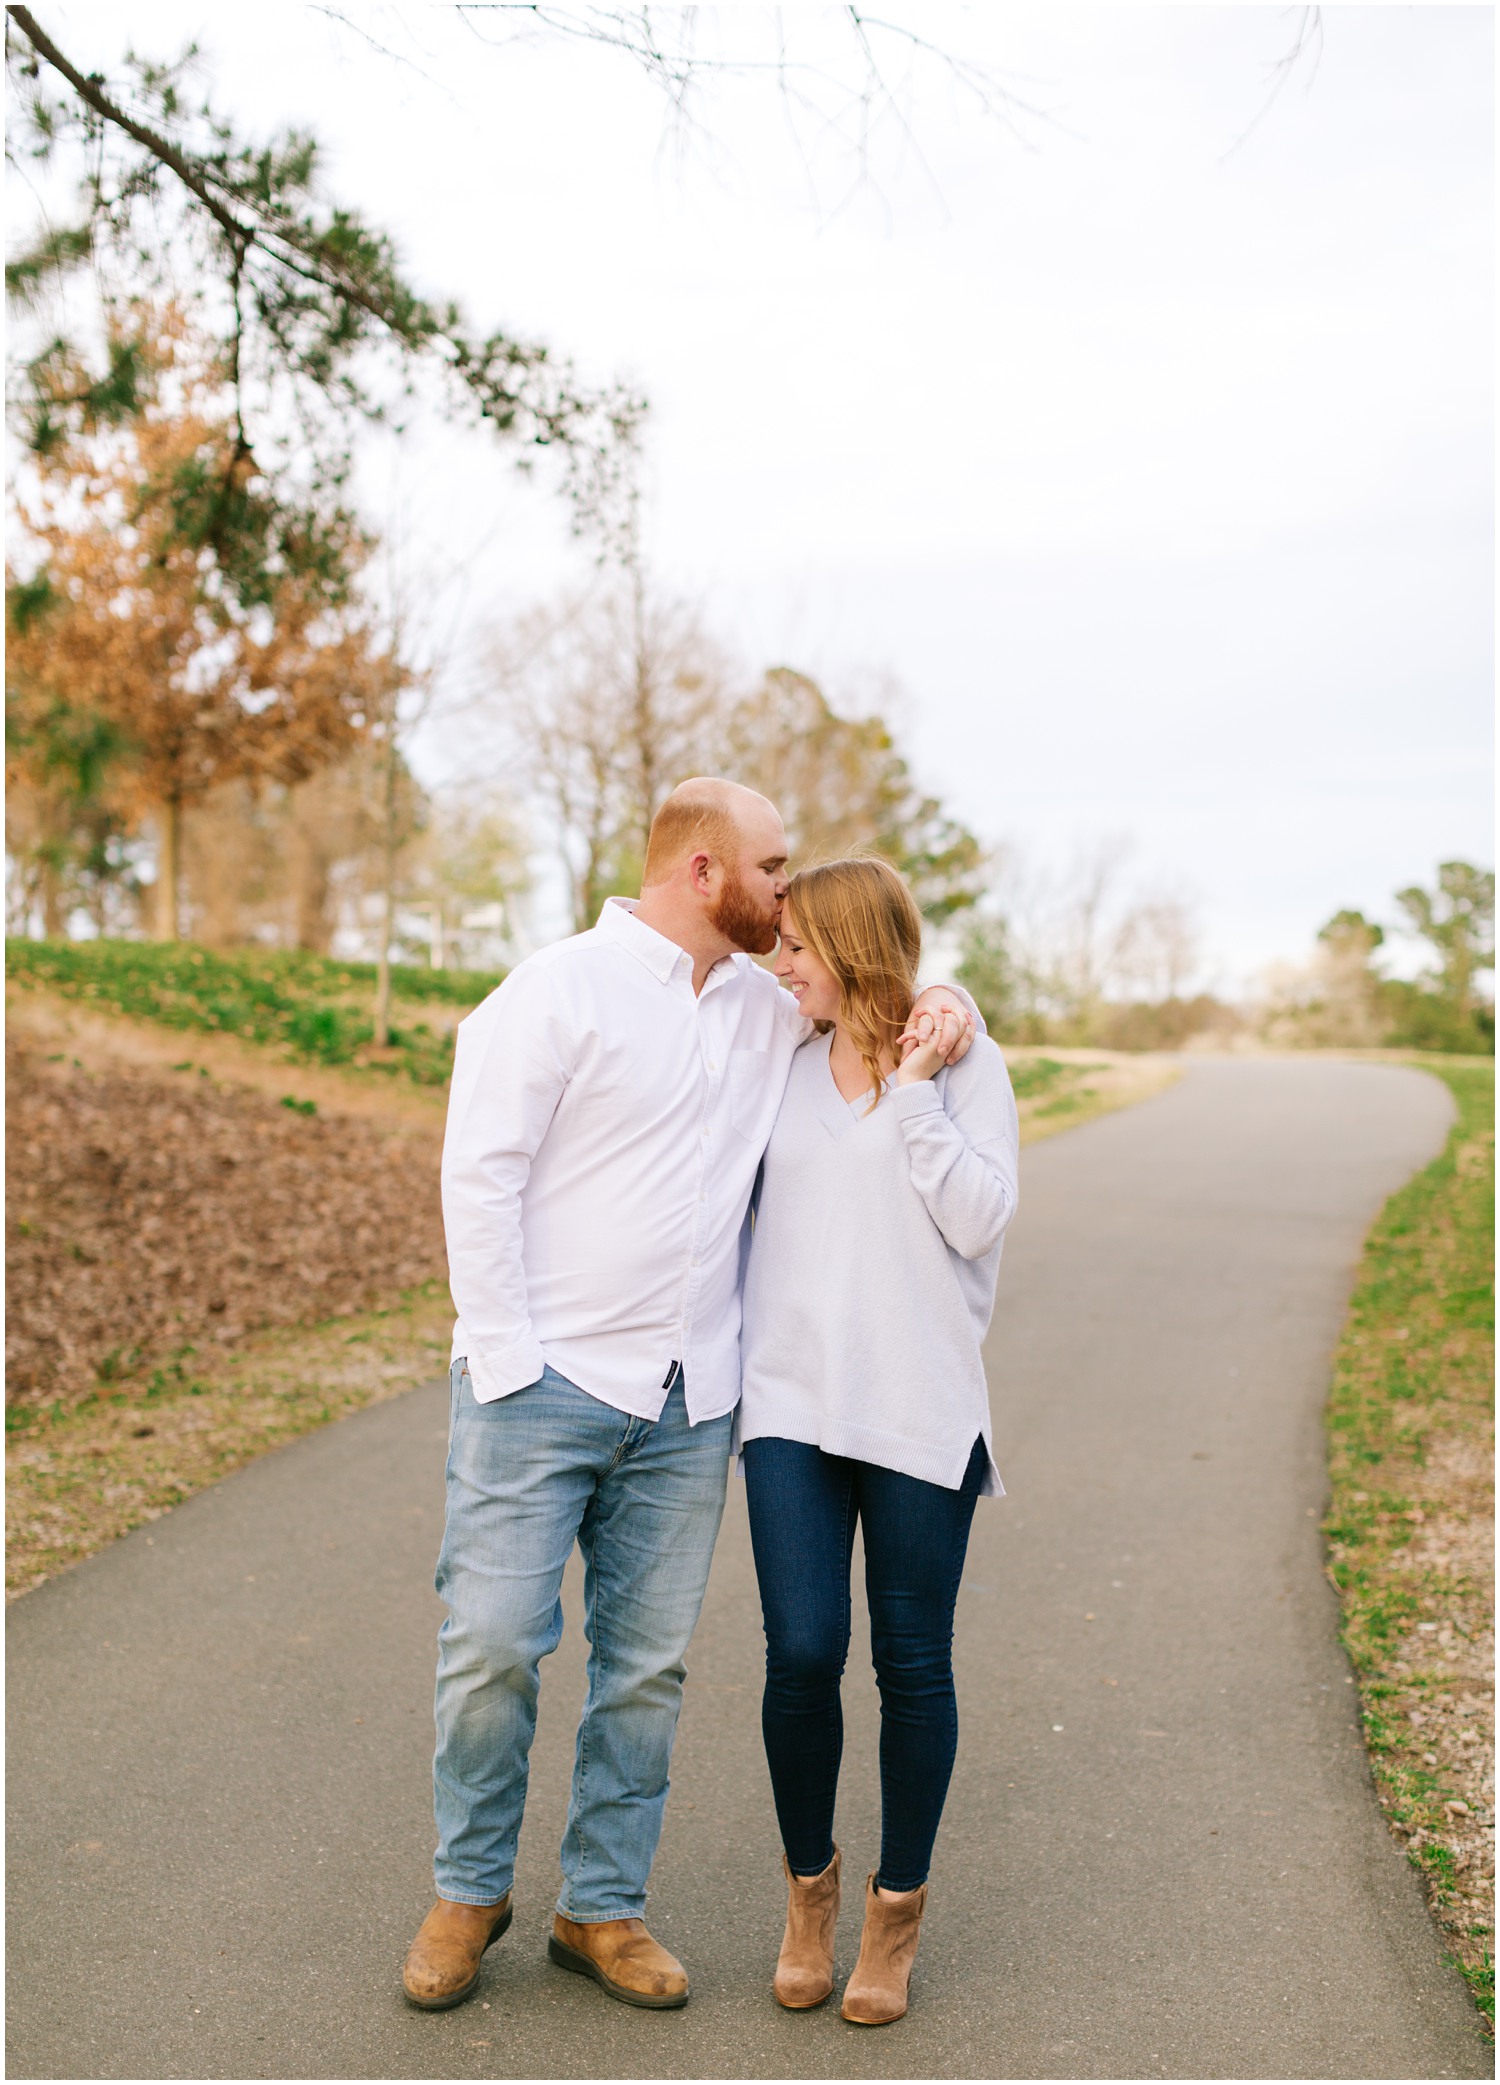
<point>747,1091</point>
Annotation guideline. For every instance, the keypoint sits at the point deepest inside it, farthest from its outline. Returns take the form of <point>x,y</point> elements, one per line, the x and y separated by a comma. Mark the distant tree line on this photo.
<point>603,703</point>
<point>1089,956</point>
<point>1344,997</point>
<point>213,750</point>
<point>1088,960</point>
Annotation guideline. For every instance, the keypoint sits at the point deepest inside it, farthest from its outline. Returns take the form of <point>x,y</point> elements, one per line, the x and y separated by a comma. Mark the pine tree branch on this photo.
<point>90,92</point>
<point>194,178</point>
<point>408,319</point>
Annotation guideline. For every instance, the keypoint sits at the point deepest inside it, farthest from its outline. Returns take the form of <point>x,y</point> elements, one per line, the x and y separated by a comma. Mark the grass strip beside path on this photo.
<point>1411,1519</point>
<point>1063,1089</point>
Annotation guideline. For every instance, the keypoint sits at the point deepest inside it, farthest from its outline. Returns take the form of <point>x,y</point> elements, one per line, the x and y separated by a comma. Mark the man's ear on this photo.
<point>700,872</point>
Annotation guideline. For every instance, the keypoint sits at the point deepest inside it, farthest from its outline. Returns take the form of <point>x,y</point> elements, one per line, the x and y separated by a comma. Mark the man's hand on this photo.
<point>922,1025</point>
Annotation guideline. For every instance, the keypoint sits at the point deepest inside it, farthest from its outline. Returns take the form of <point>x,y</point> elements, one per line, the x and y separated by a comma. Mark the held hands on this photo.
<point>931,1040</point>
<point>932,1006</point>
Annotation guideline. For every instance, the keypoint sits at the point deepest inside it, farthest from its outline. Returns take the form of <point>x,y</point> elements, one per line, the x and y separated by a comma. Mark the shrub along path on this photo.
<point>1162,1857</point>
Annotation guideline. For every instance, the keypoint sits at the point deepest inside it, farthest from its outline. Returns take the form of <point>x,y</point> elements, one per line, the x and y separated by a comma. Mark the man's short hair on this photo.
<point>696,814</point>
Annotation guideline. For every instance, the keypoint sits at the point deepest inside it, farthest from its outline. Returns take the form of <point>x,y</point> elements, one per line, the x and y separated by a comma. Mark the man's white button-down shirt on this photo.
<point>604,1129</point>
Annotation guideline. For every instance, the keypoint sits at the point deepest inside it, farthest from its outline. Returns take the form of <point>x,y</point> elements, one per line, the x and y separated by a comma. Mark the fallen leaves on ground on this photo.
<point>154,1212</point>
<point>79,1478</point>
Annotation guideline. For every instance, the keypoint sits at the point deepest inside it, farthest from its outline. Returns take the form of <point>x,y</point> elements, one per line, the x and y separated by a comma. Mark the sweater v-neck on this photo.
<point>859,1107</point>
<point>837,1115</point>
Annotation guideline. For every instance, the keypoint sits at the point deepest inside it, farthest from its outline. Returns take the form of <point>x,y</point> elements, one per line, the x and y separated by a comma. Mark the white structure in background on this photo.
<point>445,934</point>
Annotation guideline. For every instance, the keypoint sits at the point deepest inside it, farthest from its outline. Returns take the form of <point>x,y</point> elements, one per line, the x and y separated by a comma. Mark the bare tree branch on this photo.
<point>1309,36</point>
<point>678,70</point>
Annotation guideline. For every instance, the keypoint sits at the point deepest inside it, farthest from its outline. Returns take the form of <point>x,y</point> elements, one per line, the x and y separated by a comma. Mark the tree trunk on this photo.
<point>646,723</point>
<point>382,1018</point>
<point>168,867</point>
<point>312,890</point>
<point>54,917</point>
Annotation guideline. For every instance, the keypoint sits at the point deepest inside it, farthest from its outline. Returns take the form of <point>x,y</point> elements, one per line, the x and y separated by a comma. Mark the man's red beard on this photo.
<point>736,916</point>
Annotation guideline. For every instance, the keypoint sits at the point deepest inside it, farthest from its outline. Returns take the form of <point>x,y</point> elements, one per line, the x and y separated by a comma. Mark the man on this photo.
<point>609,1107</point>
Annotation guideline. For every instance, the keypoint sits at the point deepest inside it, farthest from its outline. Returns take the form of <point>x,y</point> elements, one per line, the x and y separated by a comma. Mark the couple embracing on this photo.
<point>625,1326</point>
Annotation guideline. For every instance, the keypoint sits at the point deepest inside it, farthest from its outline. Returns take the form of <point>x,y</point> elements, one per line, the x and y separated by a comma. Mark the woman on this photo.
<point>888,1184</point>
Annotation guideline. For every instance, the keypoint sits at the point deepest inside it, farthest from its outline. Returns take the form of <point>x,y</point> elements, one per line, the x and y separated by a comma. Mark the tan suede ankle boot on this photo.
<point>804,1969</point>
<point>876,1993</point>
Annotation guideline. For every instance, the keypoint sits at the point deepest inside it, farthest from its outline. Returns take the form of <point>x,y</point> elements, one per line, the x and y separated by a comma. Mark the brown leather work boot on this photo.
<point>442,1963</point>
<point>876,1993</point>
<point>804,1970</point>
<point>622,1958</point>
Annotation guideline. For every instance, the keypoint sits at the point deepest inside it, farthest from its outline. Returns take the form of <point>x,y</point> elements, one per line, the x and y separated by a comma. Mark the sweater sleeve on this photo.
<point>962,1141</point>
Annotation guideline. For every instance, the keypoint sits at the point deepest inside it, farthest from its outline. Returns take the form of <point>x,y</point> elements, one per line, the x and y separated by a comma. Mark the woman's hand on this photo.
<point>933,1040</point>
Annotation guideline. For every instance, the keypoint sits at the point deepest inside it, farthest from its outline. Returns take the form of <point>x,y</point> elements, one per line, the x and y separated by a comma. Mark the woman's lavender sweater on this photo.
<point>871,1275</point>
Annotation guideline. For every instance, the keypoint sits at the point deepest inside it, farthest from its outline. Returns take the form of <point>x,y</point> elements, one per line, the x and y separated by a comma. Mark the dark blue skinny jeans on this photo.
<point>804,1506</point>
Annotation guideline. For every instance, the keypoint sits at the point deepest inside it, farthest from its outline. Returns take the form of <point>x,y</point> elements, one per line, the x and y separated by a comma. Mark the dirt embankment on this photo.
<point>151,1209</point>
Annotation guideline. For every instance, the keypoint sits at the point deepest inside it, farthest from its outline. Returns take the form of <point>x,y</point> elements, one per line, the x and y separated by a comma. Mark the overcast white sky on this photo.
<point>1161,480</point>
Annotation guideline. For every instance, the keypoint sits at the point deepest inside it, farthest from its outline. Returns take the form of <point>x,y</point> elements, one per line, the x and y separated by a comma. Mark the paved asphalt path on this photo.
<point>1161,1857</point>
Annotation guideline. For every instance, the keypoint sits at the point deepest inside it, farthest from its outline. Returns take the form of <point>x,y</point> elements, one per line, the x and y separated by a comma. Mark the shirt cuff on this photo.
<point>500,1370</point>
<point>921,1097</point>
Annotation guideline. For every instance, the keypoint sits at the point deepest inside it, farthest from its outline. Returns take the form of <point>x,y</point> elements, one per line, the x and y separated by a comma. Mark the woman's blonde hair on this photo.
<point>859,918</point>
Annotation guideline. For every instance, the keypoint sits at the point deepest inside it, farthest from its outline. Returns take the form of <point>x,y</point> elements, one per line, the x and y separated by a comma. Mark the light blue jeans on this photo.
<point>528,1475</point>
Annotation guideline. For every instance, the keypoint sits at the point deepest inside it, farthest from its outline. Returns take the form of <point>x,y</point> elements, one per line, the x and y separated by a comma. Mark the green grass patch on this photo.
<point>1411,1429</point>
<point>312,1008</point>
<point>1033,1077</point>
<point>1053,1087</point>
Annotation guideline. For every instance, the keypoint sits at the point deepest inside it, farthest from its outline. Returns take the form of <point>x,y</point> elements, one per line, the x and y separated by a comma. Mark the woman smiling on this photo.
<point>887,1187</point>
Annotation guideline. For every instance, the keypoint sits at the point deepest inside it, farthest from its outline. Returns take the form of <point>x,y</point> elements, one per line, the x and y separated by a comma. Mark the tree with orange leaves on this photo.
<point>167,602</point>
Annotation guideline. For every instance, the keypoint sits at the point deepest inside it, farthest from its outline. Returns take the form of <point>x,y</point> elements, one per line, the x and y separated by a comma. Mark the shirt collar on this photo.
<point>661,957</point>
